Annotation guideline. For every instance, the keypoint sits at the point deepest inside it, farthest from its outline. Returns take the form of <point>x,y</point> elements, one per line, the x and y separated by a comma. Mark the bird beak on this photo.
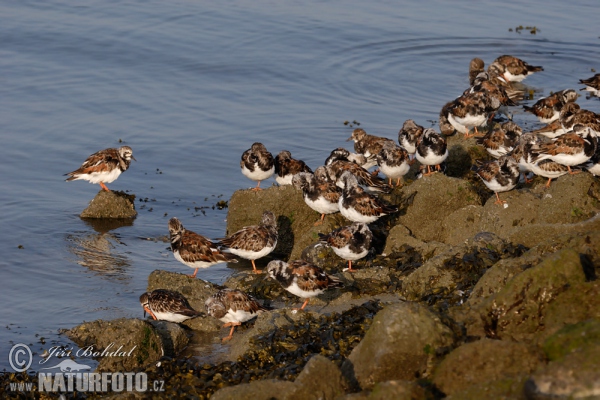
<point>349,139</point>
<point>133,158</point>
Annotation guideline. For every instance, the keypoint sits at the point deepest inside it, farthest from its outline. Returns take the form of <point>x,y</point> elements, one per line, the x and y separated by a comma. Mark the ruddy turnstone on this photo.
<point>476,66</point>
<point>593,164</point>
<point>320,195</point>
<point>431,150</point>
<point>471,110</point>
<point>344,155</point>
<point>500,141</point>
<point>492,87</point>
<point>301,278</point>
<point>572,115</point>
<point>167,305</point>
<point>367,145</point>
<point>524,151</point>
<point>373,183</point>
<point>359,206</point>
<point>548,169</point>
<point>409,135</point>
<point>286,167</point>
<point>570,149</point>
<point>547,109</point>
<point>552,130</point>
<point>512,69</point>
<point>194,250</point>
<point>233,307</point>
<point>446,128</point>
<point>393,162</point>
<point>104,166</point>
<point>350,242</point>
<point>500,175</point>
<point>254,242</point>
<point>257,164</point>
<point>592,84</point>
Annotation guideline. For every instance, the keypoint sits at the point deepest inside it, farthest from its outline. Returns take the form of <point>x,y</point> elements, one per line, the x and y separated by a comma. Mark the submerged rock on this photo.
<point>111,205</point>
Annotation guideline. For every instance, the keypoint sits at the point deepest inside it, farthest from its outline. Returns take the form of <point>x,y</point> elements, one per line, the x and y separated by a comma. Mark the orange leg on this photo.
<point>103,186</point>
<point>548,183</point>
<point>194,274</point>
<point>256,271</point>
<point>350,266</point>
<point>303,305</point>
<point>257,188</point>
<point>233,325</point>
<point>428,171</point>
<point>572,172</point>
<point>150,312</point>
<point>498,201</point>
<point>319,222</point>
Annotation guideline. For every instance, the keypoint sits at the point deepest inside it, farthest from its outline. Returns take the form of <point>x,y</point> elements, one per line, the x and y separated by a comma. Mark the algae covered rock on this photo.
<point>518,311</point>
<point>320,379</point>
<point>258,390</point>
<point>399,345</point>
<point>572,338</point>
<point>434,198</point>
<point>111,205</point>
<point>141,342</point>
<point>398,390</point>
<point>482,361</point>
<point>575,376</point>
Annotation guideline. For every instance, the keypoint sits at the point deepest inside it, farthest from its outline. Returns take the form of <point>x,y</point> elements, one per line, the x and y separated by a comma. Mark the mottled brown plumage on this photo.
<point>168,305</point>
<point>350,242</point>
<point>547,109</point>
<point>193,249</point>
<point>233,307</point>
<point>301,278</point>
<point>286,167</point>
<point>257,164</point>
<point>104,166</point>
<point>253,242</point>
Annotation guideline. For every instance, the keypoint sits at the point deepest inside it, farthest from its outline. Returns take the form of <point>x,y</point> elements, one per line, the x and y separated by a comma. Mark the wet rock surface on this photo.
<point>111,205</point>
<point>460,298</point>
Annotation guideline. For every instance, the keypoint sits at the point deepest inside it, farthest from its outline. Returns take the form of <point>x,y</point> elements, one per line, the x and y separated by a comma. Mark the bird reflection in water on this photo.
<point>98,251</point>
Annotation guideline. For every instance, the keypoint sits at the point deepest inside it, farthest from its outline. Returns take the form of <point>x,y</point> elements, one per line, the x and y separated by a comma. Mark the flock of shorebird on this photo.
<point>344,184</point>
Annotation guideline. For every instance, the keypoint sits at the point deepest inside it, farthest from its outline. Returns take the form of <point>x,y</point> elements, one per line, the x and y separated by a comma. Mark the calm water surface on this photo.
<point>190,85</point>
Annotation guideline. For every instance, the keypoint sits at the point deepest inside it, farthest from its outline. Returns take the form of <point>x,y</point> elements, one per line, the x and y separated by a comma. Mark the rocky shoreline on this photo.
<point>459,298</point>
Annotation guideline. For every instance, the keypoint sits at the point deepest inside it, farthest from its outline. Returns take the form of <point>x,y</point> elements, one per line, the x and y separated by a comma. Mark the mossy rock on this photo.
<point>139,339</point>
<point>517,312</point>
<point>111,205</point>
<point>572,338</point>
<point>400,345</point>
<point>434,198</point>
<point>484,361</point>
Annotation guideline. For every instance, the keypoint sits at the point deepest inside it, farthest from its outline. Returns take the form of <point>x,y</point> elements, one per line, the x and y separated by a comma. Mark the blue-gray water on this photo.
<point>190,85</point>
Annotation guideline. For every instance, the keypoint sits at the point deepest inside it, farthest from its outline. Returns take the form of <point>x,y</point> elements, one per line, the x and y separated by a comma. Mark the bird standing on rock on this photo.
<point>167,305</point>
<point>500,175</point>
<point>302,278</point>
<point>254,242</point>
<point>431,150</point>
<point>104,166</point>
<point>350,242</point>
<point>257,164</point>
<point>194,250</point>
<point>233,307</point>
